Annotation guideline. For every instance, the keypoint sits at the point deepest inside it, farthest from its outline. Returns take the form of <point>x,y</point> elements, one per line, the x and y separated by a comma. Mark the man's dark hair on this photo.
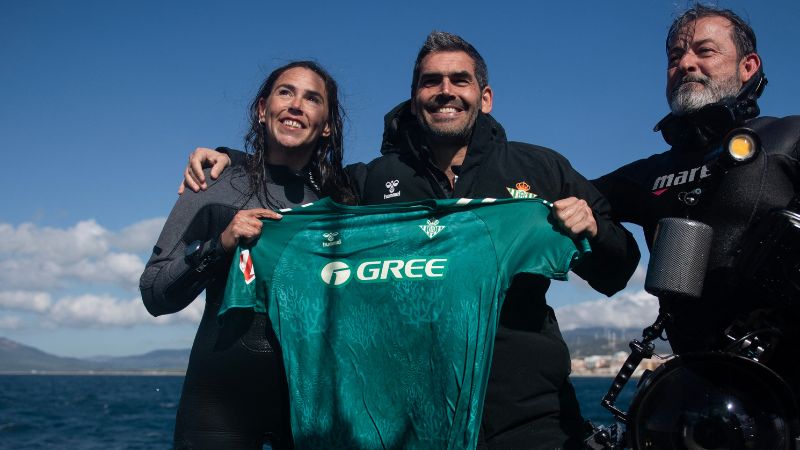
<point>743,36</point>
<point>440,41</point>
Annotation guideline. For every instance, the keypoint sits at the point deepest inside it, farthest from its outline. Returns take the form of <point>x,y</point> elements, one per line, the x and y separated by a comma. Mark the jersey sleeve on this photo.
<point>251,272</point>
<point>240,291</point>
<point>527,239</point>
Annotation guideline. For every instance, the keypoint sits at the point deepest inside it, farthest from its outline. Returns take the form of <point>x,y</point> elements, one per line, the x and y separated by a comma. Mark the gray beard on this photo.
<point>685,99</point>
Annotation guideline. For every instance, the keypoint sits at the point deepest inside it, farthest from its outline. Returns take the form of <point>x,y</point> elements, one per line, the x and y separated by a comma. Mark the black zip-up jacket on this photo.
<point>529,391</point>
<point>647,190</point>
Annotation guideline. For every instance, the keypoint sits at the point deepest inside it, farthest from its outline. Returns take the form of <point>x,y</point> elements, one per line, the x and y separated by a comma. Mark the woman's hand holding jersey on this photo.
<point>246,225</point>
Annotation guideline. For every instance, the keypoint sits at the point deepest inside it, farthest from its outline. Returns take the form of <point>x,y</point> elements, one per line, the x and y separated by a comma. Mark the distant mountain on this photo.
<point>584,342</point>
<point>155,360</point>
<point>16,357</point>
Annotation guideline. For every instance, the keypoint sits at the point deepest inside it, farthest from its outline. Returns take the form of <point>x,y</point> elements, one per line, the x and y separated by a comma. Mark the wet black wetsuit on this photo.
<point>234,394</point>
<point>649,189</point>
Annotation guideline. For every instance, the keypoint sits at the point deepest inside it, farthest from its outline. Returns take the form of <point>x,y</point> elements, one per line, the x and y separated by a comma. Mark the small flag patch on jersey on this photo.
<point>246,266</point>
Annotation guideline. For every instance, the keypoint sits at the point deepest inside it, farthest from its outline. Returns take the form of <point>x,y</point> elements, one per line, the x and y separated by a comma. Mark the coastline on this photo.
<point>144,373</point>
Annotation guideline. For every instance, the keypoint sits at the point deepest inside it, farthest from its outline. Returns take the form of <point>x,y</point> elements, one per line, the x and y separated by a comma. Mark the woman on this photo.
<point>234,394</point>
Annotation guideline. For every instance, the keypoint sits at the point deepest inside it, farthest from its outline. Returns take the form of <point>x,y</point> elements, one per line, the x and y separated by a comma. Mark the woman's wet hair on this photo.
<point>325,166</point>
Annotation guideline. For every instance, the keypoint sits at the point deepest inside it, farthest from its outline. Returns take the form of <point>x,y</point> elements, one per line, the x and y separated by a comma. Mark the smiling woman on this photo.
<point>295,115</point>
<point>234,395</point>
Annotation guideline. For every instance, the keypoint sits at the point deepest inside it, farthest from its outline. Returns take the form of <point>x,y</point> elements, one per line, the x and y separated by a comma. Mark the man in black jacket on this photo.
<point>714,77</point>
<point>443,143</point>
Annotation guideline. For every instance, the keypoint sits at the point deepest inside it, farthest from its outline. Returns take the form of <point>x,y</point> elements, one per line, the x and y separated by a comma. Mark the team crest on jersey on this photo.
<point>521,190</point>
<point>246,266</point>
<point>330,239</point>
<point>391,185</point>
<point>432,228</point>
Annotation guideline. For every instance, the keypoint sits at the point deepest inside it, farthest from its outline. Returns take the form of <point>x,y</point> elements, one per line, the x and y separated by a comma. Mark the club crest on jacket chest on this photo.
<point>521,190</point>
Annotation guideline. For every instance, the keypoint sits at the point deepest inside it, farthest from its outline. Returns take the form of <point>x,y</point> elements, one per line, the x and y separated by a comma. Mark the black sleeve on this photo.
<point>171,281</point>
<point>619,194</point>
<point>615,253</point>
<point>357,177</point>
<point>238,157</point>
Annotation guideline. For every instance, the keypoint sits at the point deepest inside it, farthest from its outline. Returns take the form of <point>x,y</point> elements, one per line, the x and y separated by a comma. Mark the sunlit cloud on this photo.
<point>625,310</point>
<point>85,254</point>
<point>25,301</point>
<point>55,277</point>
<point>636,280</point>
<point>139,237</point>
<point>638,275</point>
<point>85,239</point>
<point>103,311</point>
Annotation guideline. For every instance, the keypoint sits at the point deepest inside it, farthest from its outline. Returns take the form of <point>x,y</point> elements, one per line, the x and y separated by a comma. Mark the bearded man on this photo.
<point>714,78</point>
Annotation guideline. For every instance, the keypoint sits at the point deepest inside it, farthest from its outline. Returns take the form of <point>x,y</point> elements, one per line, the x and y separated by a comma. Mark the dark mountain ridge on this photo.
<point>20,358</point>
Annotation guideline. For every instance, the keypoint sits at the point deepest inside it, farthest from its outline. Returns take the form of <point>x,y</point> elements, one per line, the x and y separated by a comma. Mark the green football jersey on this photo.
<point>386,314</point>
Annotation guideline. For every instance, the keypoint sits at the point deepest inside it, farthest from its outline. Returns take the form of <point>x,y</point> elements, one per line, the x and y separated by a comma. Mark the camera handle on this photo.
<point>639,351</point>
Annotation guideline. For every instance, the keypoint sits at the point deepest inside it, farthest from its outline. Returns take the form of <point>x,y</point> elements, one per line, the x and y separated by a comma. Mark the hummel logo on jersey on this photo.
<point>246,266</point>
<point>330,239</point>
<point>391,185</point>
<point>338,273</point>
<point>520,190</point>
<point>663,182</point>
<point>432,228</point>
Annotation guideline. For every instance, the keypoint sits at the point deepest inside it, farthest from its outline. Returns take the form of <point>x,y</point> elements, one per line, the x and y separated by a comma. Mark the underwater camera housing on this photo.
<point>722,399</point>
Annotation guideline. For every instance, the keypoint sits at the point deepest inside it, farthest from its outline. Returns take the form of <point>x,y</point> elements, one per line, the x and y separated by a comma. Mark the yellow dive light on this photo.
<point>742,144</point>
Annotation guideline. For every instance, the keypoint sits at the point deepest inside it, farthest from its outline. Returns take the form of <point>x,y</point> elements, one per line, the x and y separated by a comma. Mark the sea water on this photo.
<point>133,412</point>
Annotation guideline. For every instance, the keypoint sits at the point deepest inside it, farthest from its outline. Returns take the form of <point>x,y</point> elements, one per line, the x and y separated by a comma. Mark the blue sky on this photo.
<point>101,102</point>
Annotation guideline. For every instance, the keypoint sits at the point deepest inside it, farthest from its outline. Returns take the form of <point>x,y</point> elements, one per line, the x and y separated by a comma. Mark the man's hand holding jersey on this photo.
<point>575,217</point>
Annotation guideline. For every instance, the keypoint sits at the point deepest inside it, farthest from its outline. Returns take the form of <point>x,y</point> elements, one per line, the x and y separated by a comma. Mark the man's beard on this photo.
<point>446,133</point>
<point>686,98</point>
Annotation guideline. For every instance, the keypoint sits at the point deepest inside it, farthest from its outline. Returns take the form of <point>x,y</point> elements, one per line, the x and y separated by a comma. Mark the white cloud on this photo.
<point>98,310</point>
<point>37,263</point>
<point>122,269</point>
<point>139,237</point>
<point>103,311</point>
<point>639,275</point>
<point>85,254</point>
<point>10,322</point>
<point>25,301</point>
<point>83,240</point>
<point>625,310</point>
